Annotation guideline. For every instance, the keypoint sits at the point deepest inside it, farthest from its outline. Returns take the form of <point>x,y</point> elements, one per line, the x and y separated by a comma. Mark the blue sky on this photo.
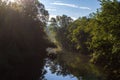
<point>72,8</point>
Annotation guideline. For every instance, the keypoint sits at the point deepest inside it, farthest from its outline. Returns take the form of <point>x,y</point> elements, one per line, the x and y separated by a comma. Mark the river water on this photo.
<point>71,66</point>
<point>39,66</point>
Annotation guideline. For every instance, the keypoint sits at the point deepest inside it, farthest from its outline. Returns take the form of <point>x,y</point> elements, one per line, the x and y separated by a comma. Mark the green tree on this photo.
<point>59,26</point>
<point>79,35</point>
<point>105,37</point>
<point>23,41</point>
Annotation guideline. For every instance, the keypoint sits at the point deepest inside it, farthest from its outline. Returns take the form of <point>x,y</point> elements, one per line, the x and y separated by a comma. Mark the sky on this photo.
<point>71,8</point>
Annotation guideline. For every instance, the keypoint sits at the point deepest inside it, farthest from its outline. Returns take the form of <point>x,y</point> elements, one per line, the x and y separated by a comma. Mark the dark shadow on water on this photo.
<point>22,67</point>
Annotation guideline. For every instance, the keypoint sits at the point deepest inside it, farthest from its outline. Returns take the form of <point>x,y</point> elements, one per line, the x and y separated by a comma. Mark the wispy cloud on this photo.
<point>85,8</point>
<point>51,9</point>
<point>64,4</point>
<point>70,5</point>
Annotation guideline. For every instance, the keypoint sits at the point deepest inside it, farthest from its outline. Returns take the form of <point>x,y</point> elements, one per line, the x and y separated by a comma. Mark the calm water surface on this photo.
<point>39,66</point>
<point>53,75</point>
<point>71,66</point>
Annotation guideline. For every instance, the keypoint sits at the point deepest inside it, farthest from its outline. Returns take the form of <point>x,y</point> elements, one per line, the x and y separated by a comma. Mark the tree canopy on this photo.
<point>23,41</point>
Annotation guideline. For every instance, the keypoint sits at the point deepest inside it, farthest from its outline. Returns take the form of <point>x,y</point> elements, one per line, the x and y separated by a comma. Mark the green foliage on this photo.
<point>59,26</point>
<point>79,35</point>
<point>20,24</point>
<point>105,37</point>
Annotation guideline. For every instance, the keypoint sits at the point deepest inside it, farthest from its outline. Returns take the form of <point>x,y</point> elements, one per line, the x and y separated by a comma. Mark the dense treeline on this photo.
<point>97,35</point>
<point>58,28</point>
<point>23,41</point>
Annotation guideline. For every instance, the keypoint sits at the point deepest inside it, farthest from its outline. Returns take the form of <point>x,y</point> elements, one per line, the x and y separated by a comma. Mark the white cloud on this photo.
<point>70,5</point>
<point>74,18</point>
<point>85,8</point>
<point>64,4</point>
<point>51,9</point>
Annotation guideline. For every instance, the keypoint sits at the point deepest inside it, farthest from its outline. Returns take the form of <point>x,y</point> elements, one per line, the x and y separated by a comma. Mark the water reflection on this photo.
<point>39,66</point>
<point>22,67</point>
<point>69,66</point>
<point>51,76</point>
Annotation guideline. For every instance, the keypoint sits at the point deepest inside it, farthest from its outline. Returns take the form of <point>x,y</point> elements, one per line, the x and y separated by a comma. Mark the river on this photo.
<point>71,66</point>
<point>56,66</point>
